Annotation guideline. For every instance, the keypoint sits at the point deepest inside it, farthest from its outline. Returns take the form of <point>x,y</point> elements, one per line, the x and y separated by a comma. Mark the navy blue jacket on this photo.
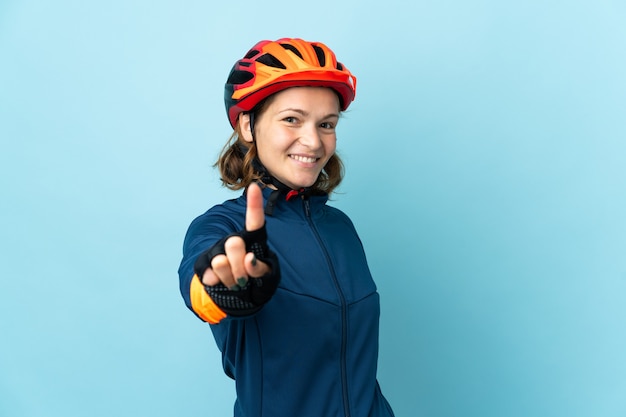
<point>312,350</point>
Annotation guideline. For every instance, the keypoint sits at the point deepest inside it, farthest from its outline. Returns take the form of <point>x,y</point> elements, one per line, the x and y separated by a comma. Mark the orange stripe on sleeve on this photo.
<point>203,304</point>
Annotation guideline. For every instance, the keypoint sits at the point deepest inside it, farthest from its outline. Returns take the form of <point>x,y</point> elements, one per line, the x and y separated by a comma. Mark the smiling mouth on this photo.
<point>305,159</point>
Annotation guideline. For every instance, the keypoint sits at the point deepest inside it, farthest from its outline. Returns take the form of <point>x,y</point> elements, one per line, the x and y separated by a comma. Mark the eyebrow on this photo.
<point>305,113</point>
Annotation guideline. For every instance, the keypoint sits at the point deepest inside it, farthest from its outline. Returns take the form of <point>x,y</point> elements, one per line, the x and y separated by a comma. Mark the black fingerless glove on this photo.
<point>257,291</point>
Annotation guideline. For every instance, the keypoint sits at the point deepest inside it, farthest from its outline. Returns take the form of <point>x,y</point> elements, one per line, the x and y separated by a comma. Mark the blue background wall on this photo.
<point>485,172</point>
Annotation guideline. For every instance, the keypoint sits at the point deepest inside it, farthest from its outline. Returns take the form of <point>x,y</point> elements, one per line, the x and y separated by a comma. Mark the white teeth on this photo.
<point>303,158</point>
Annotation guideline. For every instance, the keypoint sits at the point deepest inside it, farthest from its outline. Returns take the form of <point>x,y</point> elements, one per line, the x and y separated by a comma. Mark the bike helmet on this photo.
<point>272,66</point>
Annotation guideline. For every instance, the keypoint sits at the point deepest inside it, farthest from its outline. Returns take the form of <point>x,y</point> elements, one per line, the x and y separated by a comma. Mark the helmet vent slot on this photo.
<point>239,77</point>
<point>292,49</point>
<point>321,56</point>
<point>251,53</point>
<point>271,61</point>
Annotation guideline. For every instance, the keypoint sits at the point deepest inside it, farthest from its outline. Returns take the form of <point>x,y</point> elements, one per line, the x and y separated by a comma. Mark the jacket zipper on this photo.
<point>344,336</point>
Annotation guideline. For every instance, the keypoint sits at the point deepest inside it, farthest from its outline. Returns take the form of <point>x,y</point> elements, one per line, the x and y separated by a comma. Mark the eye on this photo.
<point>327,125</point>
<point>290,119</point>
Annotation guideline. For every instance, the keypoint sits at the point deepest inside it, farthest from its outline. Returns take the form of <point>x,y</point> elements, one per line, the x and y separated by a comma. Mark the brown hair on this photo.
<point>237,171</point>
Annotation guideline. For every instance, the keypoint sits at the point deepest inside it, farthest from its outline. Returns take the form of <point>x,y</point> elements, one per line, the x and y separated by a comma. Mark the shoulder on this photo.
<point>229,211</point>
<point>217,222</point>
<point>334,211</point>
<point>336,215</point>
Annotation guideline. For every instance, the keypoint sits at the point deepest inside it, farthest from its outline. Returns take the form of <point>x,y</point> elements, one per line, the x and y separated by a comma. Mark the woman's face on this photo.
<point>295,134</point>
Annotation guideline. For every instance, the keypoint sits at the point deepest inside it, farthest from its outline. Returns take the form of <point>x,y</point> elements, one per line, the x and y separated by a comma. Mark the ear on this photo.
<point>244,127</point>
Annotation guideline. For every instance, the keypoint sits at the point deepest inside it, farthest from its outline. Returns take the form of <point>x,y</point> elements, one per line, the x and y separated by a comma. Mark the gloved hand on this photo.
<point>239,272</point>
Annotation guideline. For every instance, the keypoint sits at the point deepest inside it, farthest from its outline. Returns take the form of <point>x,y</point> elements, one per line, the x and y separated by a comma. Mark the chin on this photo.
<point>305,184</point>
<point>297,183</point>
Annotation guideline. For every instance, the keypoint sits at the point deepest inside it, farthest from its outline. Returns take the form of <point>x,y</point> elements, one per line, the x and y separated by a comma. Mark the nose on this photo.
<point>310,136</point>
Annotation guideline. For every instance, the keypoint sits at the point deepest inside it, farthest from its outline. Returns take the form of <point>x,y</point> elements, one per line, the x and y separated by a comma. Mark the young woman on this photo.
<point>281,276</point>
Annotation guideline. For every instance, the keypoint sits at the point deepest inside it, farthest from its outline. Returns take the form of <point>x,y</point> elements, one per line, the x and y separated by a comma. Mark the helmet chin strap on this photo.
<point>280,188</point>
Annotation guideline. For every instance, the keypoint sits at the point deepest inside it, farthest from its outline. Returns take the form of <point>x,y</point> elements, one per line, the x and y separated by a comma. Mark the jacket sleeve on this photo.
<point>203,233</point>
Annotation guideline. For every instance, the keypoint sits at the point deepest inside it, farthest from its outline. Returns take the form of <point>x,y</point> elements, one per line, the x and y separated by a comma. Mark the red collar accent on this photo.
<point>293,193</point>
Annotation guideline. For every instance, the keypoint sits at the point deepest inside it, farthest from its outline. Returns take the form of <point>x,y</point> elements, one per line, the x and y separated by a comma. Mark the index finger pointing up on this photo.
<point>255,216</point>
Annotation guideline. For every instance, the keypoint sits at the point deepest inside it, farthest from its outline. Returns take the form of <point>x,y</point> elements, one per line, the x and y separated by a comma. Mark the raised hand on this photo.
<point>236,266</point>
